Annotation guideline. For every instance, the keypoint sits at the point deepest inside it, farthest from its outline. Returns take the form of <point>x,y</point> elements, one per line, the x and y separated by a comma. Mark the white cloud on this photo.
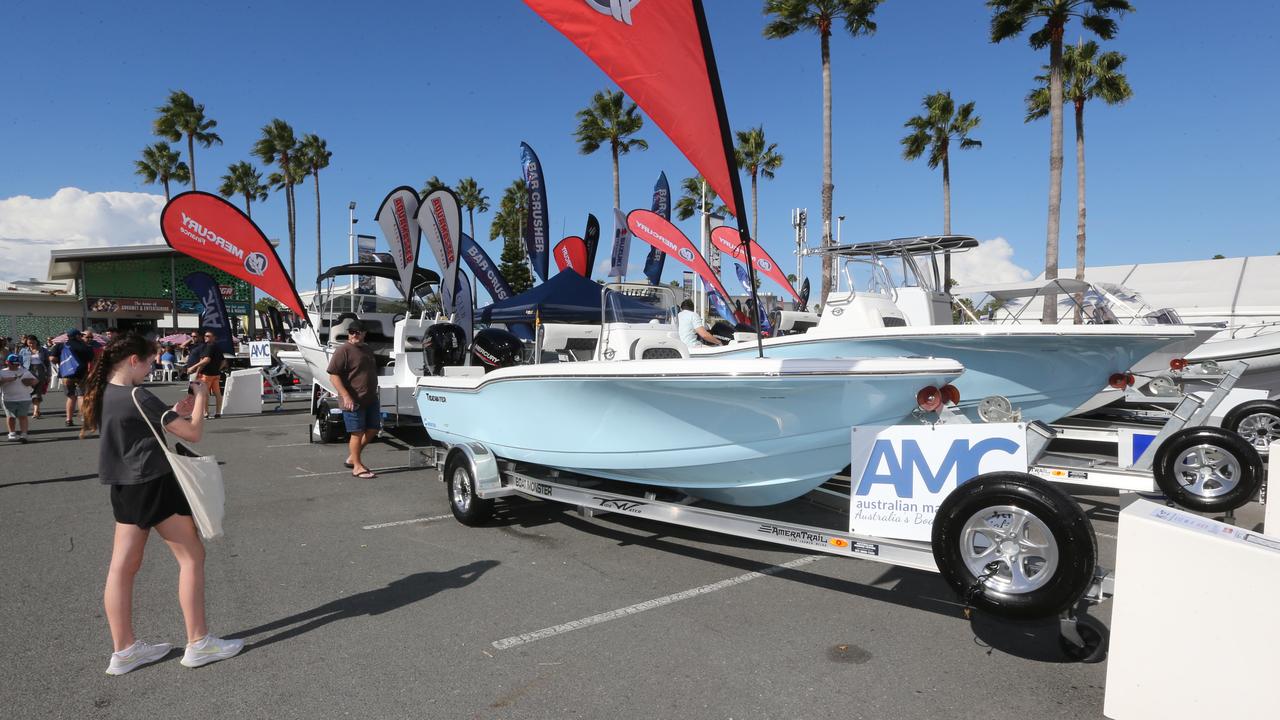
<point>990,262</point>
<point>72,218</point>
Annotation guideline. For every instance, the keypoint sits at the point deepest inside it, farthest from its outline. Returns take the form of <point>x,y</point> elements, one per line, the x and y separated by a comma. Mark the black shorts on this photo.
<point>74,386</point>
<point>150,503</point>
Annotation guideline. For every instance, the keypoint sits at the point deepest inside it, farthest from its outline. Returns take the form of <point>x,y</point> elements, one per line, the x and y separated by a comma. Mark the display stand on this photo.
<point>243,394</point>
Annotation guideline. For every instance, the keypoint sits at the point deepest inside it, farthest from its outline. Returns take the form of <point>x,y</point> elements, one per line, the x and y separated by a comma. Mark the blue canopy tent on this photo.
<point>567,297</point>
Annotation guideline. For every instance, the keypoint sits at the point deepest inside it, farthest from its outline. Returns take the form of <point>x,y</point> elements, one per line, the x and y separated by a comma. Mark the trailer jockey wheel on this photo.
<point>1257,421</point>
<point>469,508</point>
<point>1208,469</point>
<point>1014,545</point>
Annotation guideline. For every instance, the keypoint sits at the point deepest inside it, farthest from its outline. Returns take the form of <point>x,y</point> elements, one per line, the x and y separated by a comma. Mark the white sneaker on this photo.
<point>210,649</point>
<point>13,436</point>
<point>135,656</point>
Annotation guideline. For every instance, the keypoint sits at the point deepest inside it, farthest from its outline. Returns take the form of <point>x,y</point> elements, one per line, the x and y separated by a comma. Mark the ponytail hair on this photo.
<point>119,350</point>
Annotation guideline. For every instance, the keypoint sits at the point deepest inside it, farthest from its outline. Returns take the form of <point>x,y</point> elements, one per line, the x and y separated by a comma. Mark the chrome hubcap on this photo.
<point>461,487</point>
<point>1013,549</point>
<point>1260,429</point>
<point>1207,470</point>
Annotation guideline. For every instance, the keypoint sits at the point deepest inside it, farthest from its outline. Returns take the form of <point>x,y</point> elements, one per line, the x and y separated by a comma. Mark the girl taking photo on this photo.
<point>145,495</point>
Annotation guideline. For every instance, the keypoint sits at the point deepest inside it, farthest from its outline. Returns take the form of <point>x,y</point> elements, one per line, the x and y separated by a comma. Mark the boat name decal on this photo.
<point>538,488</point>
<point>436,398</point>
<point>630,506</point>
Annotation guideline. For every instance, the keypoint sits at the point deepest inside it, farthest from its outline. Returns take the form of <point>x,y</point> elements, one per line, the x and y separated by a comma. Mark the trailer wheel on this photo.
<point>1014,545</point>
<point>469,508</point>
<point>1208,469</point>
<point>1257,421</point>
<point>1094,635</point>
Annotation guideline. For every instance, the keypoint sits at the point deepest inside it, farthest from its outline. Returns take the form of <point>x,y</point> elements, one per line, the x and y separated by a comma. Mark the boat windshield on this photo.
<point>637,303</point>
<point>865,275</point>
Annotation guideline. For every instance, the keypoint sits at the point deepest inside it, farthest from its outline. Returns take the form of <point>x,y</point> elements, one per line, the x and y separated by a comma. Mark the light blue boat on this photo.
<point>736,431</point>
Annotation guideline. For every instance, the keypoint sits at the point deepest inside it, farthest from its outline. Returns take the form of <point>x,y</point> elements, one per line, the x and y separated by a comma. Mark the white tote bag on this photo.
<point>200,479</point>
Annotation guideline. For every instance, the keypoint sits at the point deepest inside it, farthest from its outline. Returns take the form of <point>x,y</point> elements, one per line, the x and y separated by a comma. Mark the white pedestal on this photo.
<point>1194,627</point>
<point>243,393</point>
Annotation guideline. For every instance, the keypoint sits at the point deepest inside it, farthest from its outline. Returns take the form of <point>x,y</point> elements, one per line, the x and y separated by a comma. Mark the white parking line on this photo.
<point>379,526</point>
<point>348,471</point>
<point>554,630</point>
<point>289,445</point>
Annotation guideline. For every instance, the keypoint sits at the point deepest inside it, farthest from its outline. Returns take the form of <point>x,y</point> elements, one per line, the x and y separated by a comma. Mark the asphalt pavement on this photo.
<point>365,598</point>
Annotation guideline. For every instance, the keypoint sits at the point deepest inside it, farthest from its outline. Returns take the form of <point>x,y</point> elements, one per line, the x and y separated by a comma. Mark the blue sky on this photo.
<point>402,91</point>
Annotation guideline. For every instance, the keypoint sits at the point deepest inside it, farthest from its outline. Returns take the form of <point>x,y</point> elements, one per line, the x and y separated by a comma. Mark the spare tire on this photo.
<point>1208,469</point>
<point>1014,545</point>
<point>1257,421</point>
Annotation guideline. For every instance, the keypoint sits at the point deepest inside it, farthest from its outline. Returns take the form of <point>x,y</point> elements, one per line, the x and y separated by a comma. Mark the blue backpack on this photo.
<point>68,364</point>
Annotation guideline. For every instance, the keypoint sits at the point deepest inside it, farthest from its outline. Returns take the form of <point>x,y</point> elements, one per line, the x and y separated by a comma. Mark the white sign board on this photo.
<point>901,473</point>
<point>260,353</point>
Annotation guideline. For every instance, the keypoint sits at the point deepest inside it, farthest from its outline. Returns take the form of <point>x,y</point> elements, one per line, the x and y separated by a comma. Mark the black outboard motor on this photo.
<point>722,331</point>
<point>445,345</point>
<point>493,348</point>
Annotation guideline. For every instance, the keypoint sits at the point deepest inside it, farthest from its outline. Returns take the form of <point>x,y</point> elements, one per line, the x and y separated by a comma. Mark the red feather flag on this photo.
<point>655,51</point>
<point>214,231</point>
<point>571,253</point>
<point>652,228</point>
<point>727,239</point>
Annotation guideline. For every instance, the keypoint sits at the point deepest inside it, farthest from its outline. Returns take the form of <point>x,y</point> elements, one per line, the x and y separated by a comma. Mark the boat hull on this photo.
<point>740,432</point>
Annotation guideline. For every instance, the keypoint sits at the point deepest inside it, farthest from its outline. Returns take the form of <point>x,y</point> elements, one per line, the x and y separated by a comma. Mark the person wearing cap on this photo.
<point>15,394</point>
<point>74,358</point>
<point>207,368</point>
<point>353,370</point>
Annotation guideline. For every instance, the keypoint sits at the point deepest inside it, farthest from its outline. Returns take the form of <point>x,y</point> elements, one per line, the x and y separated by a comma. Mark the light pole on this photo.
<point>839,226</point>
<point>351,249</point>
<point>800,221</point>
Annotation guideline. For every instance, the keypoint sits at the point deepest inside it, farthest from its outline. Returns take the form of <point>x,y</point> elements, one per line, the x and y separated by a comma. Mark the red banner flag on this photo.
<point>571,253</point>
<point>727,239</point>
<point>656,53</point>
<point>652,228</point>
<point>214,231</point>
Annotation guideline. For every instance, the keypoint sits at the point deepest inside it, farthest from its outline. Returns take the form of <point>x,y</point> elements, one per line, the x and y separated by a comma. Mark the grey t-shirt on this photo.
<point>129,453</point>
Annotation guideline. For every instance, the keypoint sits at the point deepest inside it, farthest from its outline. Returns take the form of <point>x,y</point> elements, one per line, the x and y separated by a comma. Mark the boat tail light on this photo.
<point>1178,364</point>
<point>1120,381</point>
<point>950,394</point>
<point>929,398</point>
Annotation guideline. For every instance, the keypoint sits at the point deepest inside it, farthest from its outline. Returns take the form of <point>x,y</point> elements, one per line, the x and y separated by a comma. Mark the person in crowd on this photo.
<point>167,361</point>
<point>145,494</point>
<point>74,358</point>
<point>15,394</point>
<point>693,329</point>
<point>354,372</point>
<point>36,360</point>
<point>207,368</point>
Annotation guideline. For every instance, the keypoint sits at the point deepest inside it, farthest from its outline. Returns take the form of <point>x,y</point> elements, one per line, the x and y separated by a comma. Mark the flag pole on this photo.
<point>730,158</point>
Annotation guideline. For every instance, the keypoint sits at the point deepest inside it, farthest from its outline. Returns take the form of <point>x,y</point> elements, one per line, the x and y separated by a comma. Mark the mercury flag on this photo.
<point>537,239</point>
<point>463,306</point>
<point>571,253</point>
<point>621,246</point>
<point>592,240</point>
<point>487,273</point>
<point>727,239</point>
<point>440,218</point>
<point>214,231</point>
<point>213,316</point>
<point>650,227</point>
<point>397,216</point>
<point>659,53</point>
<point>661,205</point>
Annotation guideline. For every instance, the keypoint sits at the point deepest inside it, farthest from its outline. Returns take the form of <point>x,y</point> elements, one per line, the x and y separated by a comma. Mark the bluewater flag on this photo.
<point>537,238</point>
<point>440,218</point>
<point>463,307</point>
<point>213,316</point>
<point>486,271</point>
<point>720,306</point>
<point>804,294</point>
<point>742,277</point>
<point>398,218</point>
<point>621,245</point>
<point>662,205</point>
<point>592,240</point>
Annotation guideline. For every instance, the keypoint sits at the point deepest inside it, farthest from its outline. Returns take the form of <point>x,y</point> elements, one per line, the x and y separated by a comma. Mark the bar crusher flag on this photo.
<point>662,205</point>
<point>650,227</point>
<point>440,218</point>
<point>397,216</point>
<point>621,246</point>
<point>214,231</point>
<point>537,238</point>
<point>659,54</point>
<point>487,273</point>
<point>727,239</point>
<point>591,238</point>
<point>571,253</point>
<point>213,314</point>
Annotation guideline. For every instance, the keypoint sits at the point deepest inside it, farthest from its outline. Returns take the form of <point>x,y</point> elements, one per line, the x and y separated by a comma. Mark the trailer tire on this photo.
<point>1208,469</point>
<point>1257,421</point>
<point>467,507</point>
<point>1094,635</point>
<point>1014,545</point>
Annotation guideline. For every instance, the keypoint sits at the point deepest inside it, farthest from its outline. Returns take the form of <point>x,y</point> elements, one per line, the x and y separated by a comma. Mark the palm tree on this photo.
<point>1085,75</point>
<point>243,179</point>
<point>432,184</point>
<point>472,198</point>
<point>279,146</point>
<point>758,159</point>
<point>314,153</point>
<point>1011,18</point>
<point>934,131</point>
<point>791,16</point>
<point>183,116</point>
<point>508,223</point>
<point>160,164</point>
<point>611,119</point>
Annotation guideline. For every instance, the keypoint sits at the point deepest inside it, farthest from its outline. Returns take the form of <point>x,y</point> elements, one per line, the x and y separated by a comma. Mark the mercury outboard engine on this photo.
<point>723,331</point>
<point>493,348</point>
<point>445,345</point>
